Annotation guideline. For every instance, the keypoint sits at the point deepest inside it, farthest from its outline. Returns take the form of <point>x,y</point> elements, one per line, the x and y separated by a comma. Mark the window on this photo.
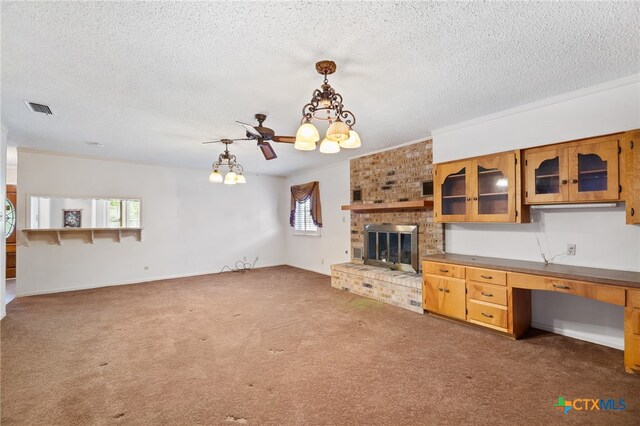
<point>303,224</point>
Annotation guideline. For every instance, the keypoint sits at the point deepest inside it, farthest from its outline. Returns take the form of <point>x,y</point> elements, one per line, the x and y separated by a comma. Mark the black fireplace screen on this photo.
<point>393,246</point>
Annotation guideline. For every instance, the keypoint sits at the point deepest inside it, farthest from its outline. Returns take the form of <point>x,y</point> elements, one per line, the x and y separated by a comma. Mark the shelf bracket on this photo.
<point>59,238</point>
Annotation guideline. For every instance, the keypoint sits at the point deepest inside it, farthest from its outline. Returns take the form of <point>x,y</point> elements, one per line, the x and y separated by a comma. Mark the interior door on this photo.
<point>451,201</point>
<point>10,229</point>
<point>593,169</point>
<point>493,188</point>
<point>547,176</point>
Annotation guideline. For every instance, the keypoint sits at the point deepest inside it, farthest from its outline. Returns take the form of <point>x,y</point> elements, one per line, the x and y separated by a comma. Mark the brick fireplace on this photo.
<point>395,175</point>
<point>389,177</point>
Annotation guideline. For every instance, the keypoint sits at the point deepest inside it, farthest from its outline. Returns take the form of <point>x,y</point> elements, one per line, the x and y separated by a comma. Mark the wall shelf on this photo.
<point>381,207</point>
<point>90,233</point>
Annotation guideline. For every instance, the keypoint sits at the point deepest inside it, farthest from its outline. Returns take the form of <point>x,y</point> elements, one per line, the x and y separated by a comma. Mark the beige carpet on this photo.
<point>280,346</point>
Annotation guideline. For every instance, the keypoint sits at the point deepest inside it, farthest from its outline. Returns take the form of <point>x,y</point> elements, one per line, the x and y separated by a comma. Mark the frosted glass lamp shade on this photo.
<point>240,178</point>
<point>304,146</point>
<point>338,131</point>
<point>329,147</point>
<point>230,178</point>
<point>306,137</point>
<point>352,142</point>
<point>215,177</point>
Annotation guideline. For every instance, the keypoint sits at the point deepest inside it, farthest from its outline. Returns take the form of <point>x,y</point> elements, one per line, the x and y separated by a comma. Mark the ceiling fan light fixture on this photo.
<point>329,147</point>
<point>352,142</point>
<point>215,177</point>
<point>338,131</point>
<point>230,178</point>
<point>240,178</point>
<point>307,133</point>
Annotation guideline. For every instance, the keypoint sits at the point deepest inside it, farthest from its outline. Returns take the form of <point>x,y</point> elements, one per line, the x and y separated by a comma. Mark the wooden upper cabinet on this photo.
<point>546,176</point>
<point>451,201</point>
<point>581,171</point>
<point>493,188</point>
<point>482,189</point>
<point>631,181</point>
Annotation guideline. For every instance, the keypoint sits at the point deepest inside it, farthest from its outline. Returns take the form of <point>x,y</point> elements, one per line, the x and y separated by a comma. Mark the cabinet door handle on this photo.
<point>563,287</point>
<point>633,211</point>
<point>440,289</point>
<point>564,181</point>
<point>443,270</point>
<point>446,290</point>
<point>574,180</point>
<point>487,277</point>
<point>468,198</point>
<point>475,198</point>
<point>486,294</point>
<point>486,315</point>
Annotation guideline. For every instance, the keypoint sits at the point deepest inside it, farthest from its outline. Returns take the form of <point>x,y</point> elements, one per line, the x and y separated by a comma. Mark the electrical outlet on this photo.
<point>571,249</point>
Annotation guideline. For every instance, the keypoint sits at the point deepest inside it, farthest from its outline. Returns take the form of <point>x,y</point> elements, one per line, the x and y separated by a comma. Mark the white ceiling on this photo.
<point>152,80</point>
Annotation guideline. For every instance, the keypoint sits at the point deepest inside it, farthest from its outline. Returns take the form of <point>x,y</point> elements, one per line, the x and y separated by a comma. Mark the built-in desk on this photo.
<point>496,293</point>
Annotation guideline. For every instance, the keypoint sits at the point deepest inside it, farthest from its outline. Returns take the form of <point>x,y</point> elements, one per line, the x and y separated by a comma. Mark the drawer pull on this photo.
<point>563,287</point>
<point>443,270</point>
<point>446,290</point>
<point>486,315</point>
<point>486,294</point>
<point>487,277</point>
<point>440,289</point>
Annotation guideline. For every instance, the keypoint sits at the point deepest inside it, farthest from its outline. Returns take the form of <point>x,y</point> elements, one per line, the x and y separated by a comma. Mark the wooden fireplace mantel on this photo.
<point>395,206</point>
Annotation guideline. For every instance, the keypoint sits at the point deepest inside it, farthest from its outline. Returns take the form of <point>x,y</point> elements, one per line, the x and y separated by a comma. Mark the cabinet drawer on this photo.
<point>443,269</point>
<point>603,293</point>
<point>487,276</point>
<point>487,292</point>
<point>487,313</point>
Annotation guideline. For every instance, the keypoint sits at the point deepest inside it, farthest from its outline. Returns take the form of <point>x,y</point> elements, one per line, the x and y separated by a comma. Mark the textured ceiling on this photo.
<point>151,80</point>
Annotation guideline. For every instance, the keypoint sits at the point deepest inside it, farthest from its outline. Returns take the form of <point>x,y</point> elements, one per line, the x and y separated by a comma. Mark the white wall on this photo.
<point>602,238</point>
<point>191,227</point>
<point>3,189</point>
<point>333,246</point>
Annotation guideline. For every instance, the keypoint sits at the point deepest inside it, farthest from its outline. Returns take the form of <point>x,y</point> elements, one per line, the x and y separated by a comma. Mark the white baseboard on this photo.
<point>138,281</point>
<point>616,343</point>
<point>306,268</point>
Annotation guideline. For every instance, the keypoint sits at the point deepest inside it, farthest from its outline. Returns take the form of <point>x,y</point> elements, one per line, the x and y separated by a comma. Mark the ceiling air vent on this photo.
<point>38,108</point>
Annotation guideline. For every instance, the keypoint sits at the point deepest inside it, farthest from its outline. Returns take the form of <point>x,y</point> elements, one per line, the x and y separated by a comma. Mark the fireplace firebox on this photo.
<point>391,246</point>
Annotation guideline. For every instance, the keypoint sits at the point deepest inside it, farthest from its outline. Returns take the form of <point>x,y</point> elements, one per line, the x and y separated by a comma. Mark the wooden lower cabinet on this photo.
<point>501,300</point>
<point>444,296</point>
<point>481,299</point>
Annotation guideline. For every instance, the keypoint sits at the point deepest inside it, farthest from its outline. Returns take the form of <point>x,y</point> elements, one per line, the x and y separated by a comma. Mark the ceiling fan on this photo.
<point>262,135</point>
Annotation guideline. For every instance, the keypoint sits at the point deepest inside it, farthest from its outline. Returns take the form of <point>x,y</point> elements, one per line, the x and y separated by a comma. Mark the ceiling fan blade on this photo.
<point>250,129</point>
<point>284,139</point>
<point>222,140</point>
<point>267,151</point>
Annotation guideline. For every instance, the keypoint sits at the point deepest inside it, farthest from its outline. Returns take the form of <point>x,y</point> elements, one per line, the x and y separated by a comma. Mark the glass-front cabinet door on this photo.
<point>546,176</point>
<point>450,194</point>
<point>493,188</point>
<point>593,169</point>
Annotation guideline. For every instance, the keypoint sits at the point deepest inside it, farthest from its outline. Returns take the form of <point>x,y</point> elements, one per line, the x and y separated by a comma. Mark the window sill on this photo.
<point>307,234</point>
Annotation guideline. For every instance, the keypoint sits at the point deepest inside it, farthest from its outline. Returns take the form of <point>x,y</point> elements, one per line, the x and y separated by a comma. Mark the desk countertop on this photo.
<point>568,272</point>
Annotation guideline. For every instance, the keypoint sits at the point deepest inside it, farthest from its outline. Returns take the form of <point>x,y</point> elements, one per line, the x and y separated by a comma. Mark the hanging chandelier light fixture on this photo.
<point>226,159</point>
<point>326,105</point>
